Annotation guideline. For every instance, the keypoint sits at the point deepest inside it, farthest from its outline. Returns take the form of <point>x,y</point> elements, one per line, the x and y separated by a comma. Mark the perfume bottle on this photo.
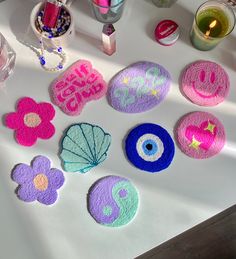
<point>51,12</point>
<point>109,39</point>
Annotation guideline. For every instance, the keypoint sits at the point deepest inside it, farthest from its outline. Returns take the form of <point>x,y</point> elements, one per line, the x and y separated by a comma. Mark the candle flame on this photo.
<point>211,26</point>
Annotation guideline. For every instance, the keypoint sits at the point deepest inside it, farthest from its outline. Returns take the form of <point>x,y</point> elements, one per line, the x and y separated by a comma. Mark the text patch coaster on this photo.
<point>200,135</point>
<point>83,147</point>
<point>31,121</point>
<point>139,87</point>
<point>113,201</point>
<point>38,182</point>
<point>78,85</point>
<point>150,147</point>
<point>205,83</point>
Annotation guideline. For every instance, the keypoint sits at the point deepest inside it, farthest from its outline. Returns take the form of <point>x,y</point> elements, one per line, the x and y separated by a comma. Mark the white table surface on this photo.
<point>187,193</point>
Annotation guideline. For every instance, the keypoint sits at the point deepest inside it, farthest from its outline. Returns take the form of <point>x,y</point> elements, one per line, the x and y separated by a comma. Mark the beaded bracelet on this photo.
<point>58,52</point>
<point>63,24</point>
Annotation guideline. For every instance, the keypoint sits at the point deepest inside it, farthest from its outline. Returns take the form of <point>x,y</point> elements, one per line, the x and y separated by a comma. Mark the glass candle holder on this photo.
<point>107,11</point>
<point>164,3</point>
<point>214,20</point>
<point>7,59</point>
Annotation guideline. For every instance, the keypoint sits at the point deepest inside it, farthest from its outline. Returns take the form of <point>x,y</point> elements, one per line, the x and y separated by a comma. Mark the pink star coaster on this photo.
<point>31,121</point>
<point>200,135</point>
<point>205,83</point>
<point>78,85</point>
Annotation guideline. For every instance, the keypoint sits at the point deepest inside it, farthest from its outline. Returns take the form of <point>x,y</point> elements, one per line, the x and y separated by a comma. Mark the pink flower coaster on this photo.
<point>200,135</point>
<point>31,121</point>
<point>205,83</point>
<point>78,85</point>
<point>38,181</point>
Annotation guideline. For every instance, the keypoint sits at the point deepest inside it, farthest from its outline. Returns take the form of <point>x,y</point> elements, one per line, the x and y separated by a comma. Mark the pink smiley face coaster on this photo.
<point>78,85</point>
<point>200,135</point>
<point>205,83</point>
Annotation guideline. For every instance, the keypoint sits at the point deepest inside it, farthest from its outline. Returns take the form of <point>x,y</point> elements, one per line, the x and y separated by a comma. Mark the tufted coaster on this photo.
<point>38,181</point>
<point>78,85</point>
<point>150,147</point>
<point>205,83</point>
<point>113,201</point>
<point>84,146</point>
<point>31,121</point>
<point>200,135</point>
<point>139,87</point>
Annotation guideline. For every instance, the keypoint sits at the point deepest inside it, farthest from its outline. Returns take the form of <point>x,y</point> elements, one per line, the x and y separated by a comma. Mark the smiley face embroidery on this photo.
<point>205,83</point>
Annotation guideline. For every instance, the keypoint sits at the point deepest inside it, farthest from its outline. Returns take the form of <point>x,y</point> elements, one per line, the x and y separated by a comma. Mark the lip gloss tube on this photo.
<point>51,13</point>
<point>104,5</point>
<point>109,39</point>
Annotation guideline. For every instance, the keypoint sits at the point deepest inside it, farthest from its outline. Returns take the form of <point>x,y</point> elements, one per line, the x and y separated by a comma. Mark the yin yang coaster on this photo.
<point>83,147</point>
<point>113,201</point>
<point>200,135</point>
<point>139,87</point>
<point>149,147</point>
<point>205,83</point>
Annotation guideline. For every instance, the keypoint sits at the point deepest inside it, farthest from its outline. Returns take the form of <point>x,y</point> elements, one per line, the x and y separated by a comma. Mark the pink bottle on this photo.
<point>105,4</point>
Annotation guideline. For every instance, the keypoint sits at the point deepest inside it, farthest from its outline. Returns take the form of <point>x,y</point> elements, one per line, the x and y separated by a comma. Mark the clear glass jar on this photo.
<point>7,59</point>
<point>107,13</point>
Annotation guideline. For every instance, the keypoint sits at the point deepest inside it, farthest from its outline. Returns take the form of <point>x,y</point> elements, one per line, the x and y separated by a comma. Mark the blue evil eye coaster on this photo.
<point>149,147</point>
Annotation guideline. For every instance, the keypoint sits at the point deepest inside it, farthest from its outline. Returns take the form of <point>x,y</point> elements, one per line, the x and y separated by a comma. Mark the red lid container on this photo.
<point>167,32</point>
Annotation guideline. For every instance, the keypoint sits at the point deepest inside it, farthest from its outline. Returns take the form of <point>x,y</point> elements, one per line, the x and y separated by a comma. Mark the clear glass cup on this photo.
<point>164,3</point>
<point>108,14</point>
<point>7,59</point>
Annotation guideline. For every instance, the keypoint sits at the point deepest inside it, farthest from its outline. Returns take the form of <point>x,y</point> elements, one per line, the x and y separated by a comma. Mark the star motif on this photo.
<point>154,92</point>
<point>210,127</point>
<point>126,80</point>
<point>195,143</point>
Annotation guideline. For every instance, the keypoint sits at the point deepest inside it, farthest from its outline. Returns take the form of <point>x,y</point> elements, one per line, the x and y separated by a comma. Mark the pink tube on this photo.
<point>104,3</point>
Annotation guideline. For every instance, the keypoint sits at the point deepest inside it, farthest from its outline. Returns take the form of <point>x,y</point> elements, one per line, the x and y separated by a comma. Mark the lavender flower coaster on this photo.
<point>139,87</point>
<point>38,181</point>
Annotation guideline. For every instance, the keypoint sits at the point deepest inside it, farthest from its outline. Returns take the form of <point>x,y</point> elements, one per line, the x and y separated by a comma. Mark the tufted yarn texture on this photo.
<point>205,83</point>
<point>200,135</point>
<point>113,201</point>
<point>149,147</point>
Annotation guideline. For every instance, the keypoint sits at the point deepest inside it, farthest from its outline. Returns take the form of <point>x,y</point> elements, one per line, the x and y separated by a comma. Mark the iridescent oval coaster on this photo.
<point>205,83</point>
<point>113,201</point>
<point>139,87</point>
<point>150,147</point>
<point>200,135</point>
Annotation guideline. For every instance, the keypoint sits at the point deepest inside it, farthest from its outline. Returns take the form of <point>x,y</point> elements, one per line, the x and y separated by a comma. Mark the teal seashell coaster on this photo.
<point>83,147</point>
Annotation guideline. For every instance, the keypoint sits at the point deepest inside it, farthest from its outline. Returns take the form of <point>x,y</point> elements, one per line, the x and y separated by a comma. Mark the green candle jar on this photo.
<point>213,21</point>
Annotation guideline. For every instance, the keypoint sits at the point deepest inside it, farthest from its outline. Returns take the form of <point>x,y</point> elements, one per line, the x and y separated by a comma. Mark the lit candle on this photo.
<point>211,26</point>
<point>213,21</point>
